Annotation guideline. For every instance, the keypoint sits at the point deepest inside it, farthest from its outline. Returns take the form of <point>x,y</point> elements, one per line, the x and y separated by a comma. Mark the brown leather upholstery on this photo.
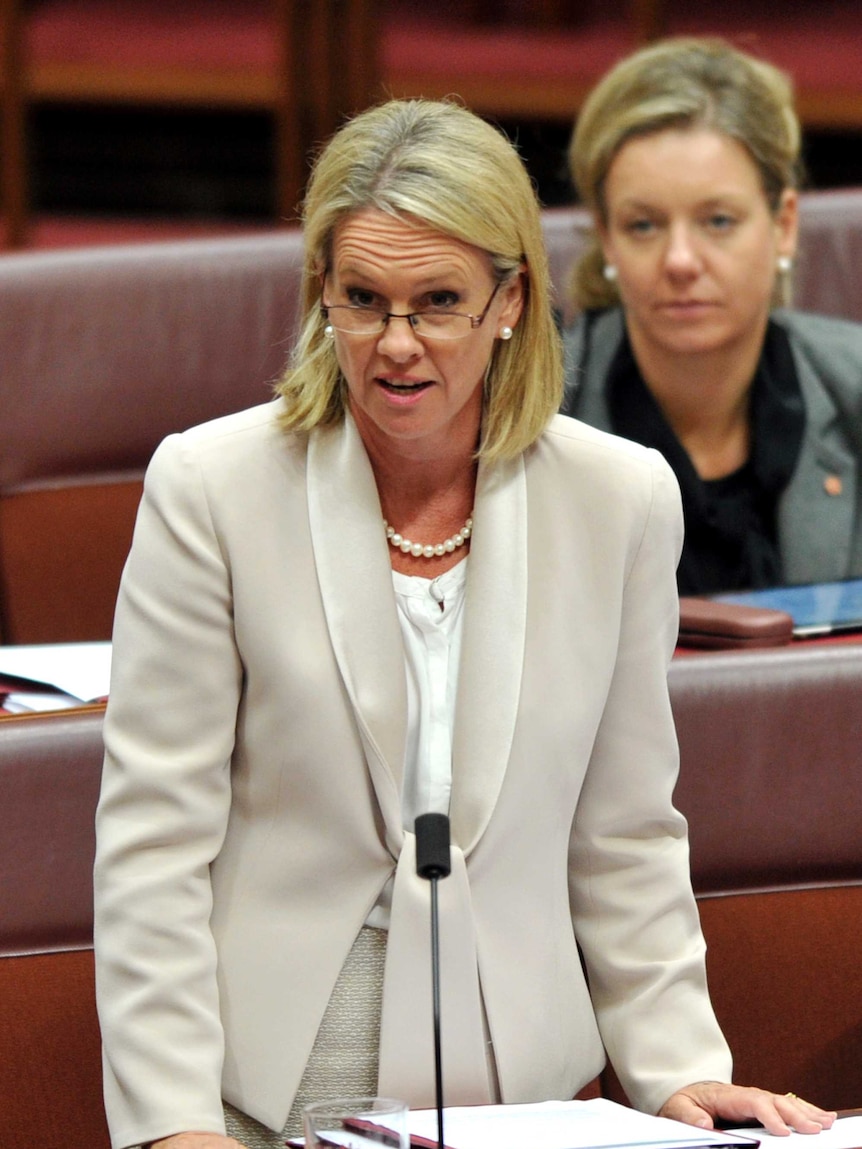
<point>826,277</point>
<point>770,763</point>
<point>45,530</point>
<point>770,760</point>
<point>786,981</point>
<point>50,769</point>
<point>770,757</point>
<point>50,1070</point>
<point>103,352</point>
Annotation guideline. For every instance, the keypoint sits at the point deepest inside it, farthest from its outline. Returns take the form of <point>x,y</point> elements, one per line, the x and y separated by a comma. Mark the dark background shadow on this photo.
<point>212,165</point>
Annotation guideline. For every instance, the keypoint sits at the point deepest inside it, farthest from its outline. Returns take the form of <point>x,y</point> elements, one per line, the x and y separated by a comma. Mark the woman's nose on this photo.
<point>681,256</point>
<point>398,340</point>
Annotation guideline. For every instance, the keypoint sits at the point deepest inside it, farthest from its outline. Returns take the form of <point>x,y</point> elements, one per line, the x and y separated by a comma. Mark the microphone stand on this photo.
<point>433,863</point>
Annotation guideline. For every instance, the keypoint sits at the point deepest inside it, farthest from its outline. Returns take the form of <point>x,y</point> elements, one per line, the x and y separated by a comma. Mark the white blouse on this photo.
<point>431,614</point>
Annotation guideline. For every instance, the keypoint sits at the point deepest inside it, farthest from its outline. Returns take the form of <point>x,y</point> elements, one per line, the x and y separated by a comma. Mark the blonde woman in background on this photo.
<point>687,154</point>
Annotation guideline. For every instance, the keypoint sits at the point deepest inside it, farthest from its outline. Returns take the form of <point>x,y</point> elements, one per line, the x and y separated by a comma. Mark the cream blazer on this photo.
<point>250,809</point>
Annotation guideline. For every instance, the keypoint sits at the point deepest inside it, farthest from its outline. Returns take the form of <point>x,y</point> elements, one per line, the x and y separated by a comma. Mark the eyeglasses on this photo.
<point>430,323</point>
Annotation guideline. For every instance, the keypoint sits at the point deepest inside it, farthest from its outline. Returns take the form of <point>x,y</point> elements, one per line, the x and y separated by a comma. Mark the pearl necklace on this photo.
<point>429,552</point>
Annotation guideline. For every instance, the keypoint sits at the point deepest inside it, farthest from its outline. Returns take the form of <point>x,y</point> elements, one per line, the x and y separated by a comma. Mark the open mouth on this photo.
<point>403,388</point>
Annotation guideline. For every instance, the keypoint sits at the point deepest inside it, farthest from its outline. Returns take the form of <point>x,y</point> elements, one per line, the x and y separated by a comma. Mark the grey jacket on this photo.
<point>820,511</point>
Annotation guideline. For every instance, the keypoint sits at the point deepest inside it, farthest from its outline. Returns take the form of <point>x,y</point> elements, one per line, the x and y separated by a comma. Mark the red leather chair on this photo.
<point>105,351</point>
<point>50,1072</point>
<point>770,760</point>
<point>786,984</point>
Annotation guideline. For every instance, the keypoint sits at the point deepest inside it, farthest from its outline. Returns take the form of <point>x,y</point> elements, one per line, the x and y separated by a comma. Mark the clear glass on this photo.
<point>370,321</point>
<point>357,1122</point>
<point>430,323</point>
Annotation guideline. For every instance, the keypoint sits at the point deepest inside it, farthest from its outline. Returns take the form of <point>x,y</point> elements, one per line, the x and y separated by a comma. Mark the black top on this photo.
<point>730,523</point>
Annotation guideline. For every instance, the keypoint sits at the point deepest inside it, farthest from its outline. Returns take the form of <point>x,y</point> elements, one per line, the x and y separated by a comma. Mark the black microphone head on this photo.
<point>432,846</point>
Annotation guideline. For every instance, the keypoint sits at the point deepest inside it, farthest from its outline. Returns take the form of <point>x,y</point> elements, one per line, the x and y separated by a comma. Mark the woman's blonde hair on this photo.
<point>442,165</point>
<point>682,82</point>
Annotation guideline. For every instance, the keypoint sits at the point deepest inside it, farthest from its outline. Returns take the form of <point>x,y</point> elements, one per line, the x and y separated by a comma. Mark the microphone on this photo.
<point>433,862</point>
<point>432,846</point>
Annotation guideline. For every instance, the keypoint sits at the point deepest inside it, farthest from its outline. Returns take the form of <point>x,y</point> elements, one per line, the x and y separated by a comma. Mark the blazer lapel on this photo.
<point>825,478</point>
<point>355,579</point>
<point>355,574</point>
<point>493,649</point>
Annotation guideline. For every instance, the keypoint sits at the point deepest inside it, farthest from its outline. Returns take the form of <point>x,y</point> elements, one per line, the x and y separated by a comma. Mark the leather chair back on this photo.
<point>770,761</point>
<point>50,1072</point>
<point>103,352</point>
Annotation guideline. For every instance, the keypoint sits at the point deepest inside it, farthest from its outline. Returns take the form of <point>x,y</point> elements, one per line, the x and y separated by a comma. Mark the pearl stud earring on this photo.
<point>506,333</point>
<point>329,331</point>
<point>784,264</point>
<point>610,273</point>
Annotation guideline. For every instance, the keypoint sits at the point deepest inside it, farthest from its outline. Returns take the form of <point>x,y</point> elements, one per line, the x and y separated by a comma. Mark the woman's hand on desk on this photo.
<point>706,1102</point>
<point>196,1141</point>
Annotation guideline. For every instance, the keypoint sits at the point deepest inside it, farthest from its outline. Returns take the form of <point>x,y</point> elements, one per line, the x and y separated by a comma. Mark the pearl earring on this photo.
<point>506,333</point>
<point>329,331</point>
<point>610,273</point>
<point>784,264</point>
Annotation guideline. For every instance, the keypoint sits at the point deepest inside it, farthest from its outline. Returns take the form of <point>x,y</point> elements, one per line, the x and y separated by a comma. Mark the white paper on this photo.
<point>80,669</point>
<point>37,703</point>
<point>846,1133</point>
<point>596,1124</point>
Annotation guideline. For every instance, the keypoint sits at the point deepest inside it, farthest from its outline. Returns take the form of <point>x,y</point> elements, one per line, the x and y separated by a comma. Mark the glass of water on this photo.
<point>357,1123</point>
